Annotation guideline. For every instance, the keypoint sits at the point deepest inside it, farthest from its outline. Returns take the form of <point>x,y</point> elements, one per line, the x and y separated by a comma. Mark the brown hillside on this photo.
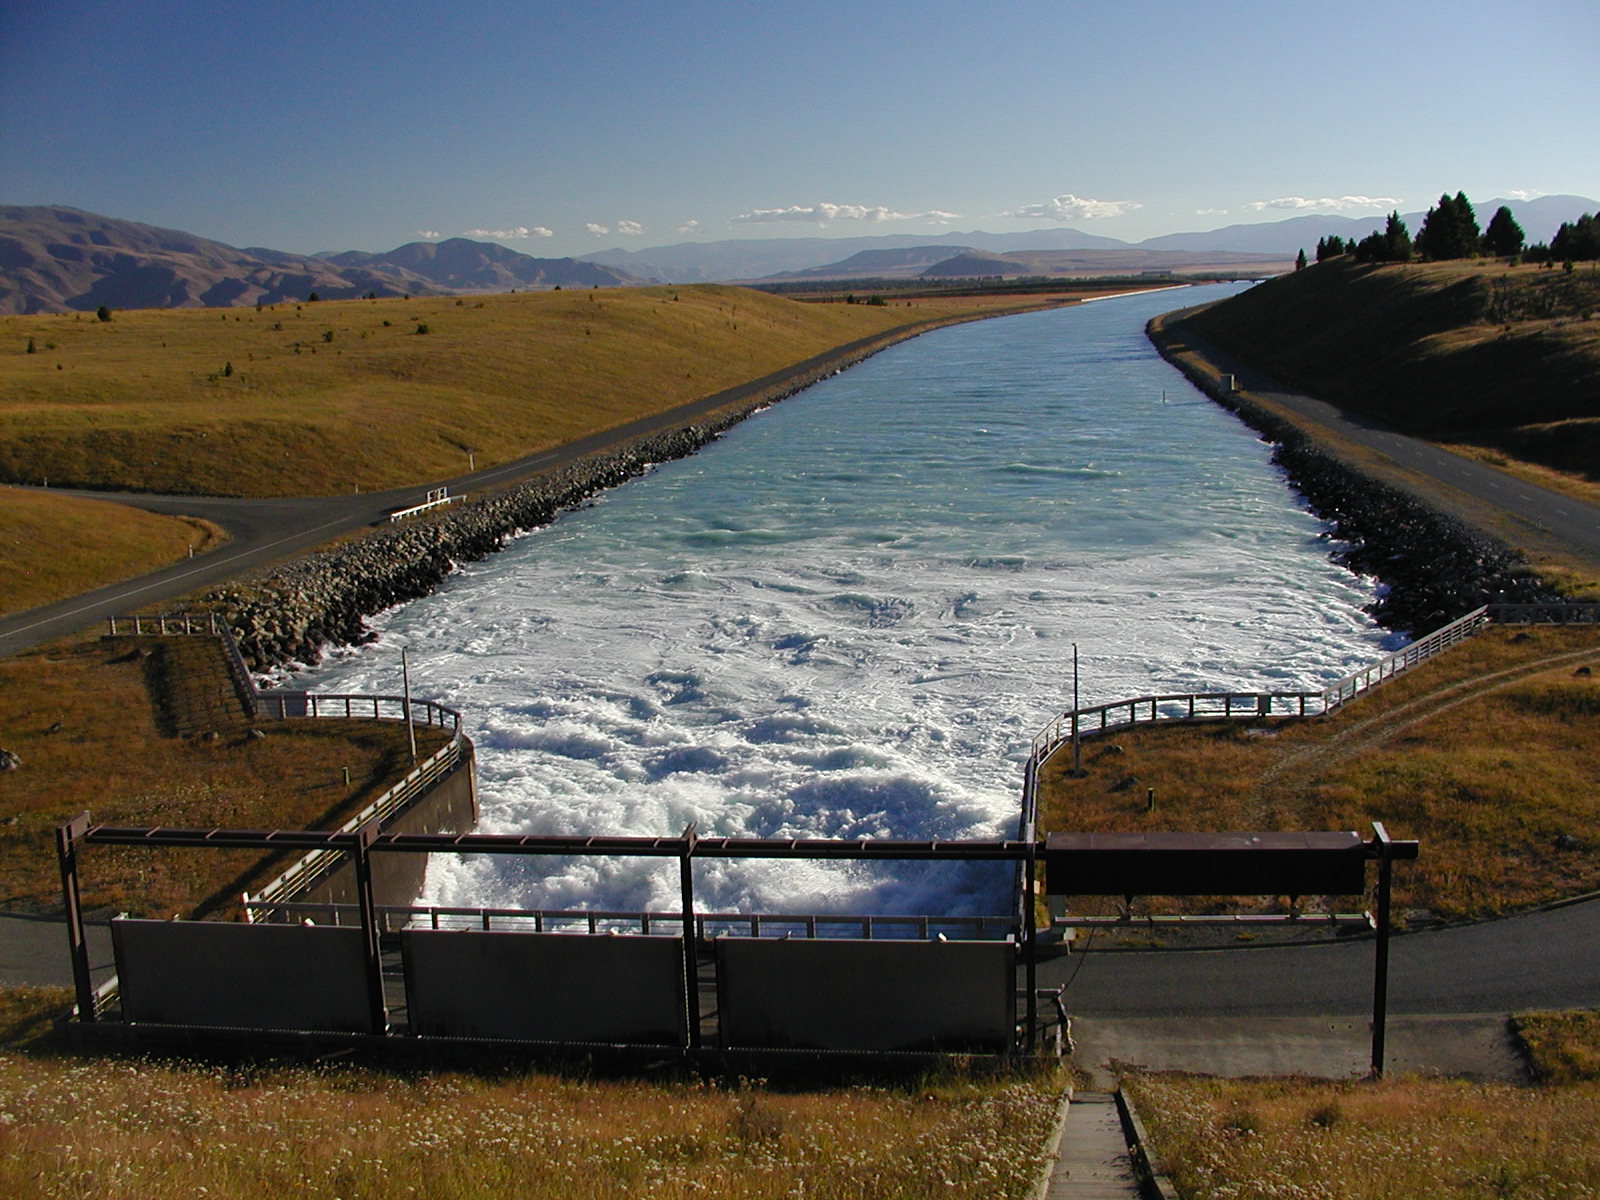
<point>1481,353</point>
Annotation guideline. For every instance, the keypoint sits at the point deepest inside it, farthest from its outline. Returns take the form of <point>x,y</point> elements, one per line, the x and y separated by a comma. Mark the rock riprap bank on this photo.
<point>291,613</point>
<point>1433,568</point>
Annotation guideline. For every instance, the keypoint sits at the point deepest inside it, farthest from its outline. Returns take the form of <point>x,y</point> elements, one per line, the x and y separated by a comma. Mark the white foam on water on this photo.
<point>849,616</point>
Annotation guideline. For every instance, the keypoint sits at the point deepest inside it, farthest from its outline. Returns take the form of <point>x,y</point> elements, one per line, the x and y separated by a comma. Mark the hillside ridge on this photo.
<point>59,259</point>
<point>1477,353</point>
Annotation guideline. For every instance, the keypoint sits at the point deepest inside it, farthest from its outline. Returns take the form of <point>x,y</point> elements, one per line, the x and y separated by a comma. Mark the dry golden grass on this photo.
<point>1563,1047</point>
<point>1423,1139</point>
<point>60,546</point>
<point>1474,352</point>
<point>327,397</point>
<point>96,1128</point>
<point>80,717</point>
<point>27,1013</point>
<point>1486,754</point>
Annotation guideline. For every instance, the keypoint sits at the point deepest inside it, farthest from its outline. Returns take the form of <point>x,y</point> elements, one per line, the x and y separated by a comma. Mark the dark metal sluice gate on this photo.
<point>655,990</point>
<point>658,991</point>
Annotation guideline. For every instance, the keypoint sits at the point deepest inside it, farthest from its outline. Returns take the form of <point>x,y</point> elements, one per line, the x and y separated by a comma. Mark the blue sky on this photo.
<point>564,128</point>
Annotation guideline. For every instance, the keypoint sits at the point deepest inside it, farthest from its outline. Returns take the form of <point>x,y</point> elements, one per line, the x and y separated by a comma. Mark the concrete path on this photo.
<point>1468,1046</point>
<point>1092,1160</point>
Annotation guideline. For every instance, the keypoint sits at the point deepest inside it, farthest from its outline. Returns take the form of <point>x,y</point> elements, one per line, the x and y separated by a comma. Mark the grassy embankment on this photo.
<point>1497,360</point>
<point>1425,1139</point>
<point>60,546</point>
<point>88,727</point>
<point>325,398</point>
<point>1486,754</point>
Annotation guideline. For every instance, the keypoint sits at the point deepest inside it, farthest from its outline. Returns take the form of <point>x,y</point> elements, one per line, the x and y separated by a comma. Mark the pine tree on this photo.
<point>1577,240</point>
<point>1300,262</point>
<point>1450,230</point>
<point>1470,237</point>
<point>1391,245</point>
<point>1396,240</point>
<point>1504,237</point>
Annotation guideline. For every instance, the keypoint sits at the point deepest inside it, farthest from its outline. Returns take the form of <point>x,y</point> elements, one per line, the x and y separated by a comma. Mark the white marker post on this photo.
<point>405,683</point>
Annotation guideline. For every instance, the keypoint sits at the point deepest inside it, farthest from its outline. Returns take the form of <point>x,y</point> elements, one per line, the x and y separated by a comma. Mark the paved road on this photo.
<point>1539,960</point>
<point>1526,513</point>
<point>1546,959</point>
<point>264,531</point>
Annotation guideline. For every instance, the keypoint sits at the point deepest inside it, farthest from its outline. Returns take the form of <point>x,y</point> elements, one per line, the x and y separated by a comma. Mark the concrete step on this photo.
<point>193,687</point>
<point>1092,1160</point>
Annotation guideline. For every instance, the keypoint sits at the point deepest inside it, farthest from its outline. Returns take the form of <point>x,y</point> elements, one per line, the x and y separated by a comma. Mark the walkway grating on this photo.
<point>1092,1161</point>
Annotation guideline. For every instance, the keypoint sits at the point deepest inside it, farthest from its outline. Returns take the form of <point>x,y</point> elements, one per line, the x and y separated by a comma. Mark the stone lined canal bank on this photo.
<point>1432,567</point>
<point>291,612</point>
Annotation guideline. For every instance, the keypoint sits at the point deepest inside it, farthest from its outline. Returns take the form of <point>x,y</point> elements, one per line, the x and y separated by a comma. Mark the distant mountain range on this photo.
<point>57,259</point>
<point>1539,219</point>
<point>761,258</point>
<point>967,262</point>
<point>459,264</point>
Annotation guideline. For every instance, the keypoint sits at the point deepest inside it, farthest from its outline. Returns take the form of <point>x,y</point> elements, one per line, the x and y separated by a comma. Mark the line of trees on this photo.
<point>1450,230</point>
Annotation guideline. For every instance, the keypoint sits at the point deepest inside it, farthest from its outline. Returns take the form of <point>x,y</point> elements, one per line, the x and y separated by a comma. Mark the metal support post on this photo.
<point>1029,933</point>
<point>67,837</point>
<point>378,1011</point>
<point>691,952</point>
<point>1380,970</point>
<point>1077,743</point>
<point>405,683</point>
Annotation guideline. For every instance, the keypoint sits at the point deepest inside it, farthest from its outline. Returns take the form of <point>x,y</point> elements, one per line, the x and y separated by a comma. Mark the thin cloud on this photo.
<point>689,226</point>
<point>520,233</point>
<point>630,228</point>
<point>1524,194</point>
<point>430,234</point>
<point>1297,203</point>
<point>597,230</point>
<point>1210,212</point>
<point>823,214</point>
<point>1072,208</point>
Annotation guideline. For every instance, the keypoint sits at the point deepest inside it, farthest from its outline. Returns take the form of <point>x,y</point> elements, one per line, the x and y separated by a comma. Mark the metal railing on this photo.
<point>1409,655</point>
<point>436,497</point>
<point>196,624</point>
<point>286,704</point>
<point>319,863</point>
<point>395,917</point>
<point>166,625</point>
<point>1186,706</point>
<point>1225,706</point>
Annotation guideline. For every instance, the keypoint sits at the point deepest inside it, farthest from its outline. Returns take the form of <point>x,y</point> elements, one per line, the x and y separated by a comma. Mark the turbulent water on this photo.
<point>848,616</point>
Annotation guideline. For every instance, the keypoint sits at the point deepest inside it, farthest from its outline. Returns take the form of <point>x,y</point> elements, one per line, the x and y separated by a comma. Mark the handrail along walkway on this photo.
<point>1233,706</point>
<point>286,704</point>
